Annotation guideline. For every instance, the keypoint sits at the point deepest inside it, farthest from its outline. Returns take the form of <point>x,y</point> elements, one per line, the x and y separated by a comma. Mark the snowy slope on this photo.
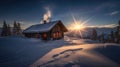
<point>21,52</point>
<point>68,52</point>
<point>83,54</point>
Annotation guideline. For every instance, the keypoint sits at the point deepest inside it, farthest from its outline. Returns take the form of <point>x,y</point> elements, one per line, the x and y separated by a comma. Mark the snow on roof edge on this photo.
<point>41,27</point>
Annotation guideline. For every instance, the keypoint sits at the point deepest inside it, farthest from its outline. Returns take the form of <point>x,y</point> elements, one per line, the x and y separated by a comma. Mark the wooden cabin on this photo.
<point>46,31</point>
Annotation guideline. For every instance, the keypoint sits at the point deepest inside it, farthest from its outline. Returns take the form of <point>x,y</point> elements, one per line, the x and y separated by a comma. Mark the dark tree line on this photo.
<point>117,33</point>
<point>112,37</point>
<point>8,31</point>
<point>16,28</point>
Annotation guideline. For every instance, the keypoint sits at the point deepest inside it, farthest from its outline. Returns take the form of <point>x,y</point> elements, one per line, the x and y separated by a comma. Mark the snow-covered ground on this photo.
<point>22,52</point>
<point>68,52</point>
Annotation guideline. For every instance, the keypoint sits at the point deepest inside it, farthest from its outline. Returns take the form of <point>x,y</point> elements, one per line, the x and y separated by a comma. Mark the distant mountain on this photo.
<point>87,31</point>
<point>100,30</point>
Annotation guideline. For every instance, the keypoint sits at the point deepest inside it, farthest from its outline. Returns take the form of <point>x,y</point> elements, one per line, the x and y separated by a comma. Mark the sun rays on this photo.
<point>78,26</point>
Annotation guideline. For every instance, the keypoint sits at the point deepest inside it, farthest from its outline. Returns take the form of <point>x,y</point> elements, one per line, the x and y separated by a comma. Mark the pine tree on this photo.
<point>103,37</point>
<point>19,29</point>
<point>112,38</point>
<point>8,30</point>
<point>15,28</point>
<point>118,32</point>
<point>94,34</point>
<point>4,29</point>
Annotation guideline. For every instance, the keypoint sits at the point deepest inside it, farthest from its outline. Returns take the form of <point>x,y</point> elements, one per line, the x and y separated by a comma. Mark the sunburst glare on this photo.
<point>78,26</point>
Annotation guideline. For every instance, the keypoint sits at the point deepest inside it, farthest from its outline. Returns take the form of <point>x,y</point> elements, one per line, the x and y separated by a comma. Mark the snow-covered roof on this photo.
<point>41,27</point>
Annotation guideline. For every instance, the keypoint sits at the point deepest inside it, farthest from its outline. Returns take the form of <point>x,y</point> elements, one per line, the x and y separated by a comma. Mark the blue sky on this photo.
<point>28,12</point>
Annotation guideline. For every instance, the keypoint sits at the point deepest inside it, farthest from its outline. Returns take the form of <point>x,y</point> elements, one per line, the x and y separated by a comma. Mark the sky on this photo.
<point>29,12</point>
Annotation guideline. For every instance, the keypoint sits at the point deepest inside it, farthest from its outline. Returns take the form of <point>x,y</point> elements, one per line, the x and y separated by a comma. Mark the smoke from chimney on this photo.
<point>47,16</point>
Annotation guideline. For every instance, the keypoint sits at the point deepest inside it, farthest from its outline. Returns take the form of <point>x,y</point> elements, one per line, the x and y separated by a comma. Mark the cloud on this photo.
<point>105,26</point>
<point>105,5</point>
<point>113,13</point>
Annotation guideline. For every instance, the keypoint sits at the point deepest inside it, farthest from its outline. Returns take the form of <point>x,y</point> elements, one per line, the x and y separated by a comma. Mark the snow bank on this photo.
<point>68,52</point>
<point>21,52</point>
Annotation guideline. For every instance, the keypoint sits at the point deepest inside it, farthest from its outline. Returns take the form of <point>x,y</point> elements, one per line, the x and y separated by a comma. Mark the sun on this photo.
<point>77,26</point>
